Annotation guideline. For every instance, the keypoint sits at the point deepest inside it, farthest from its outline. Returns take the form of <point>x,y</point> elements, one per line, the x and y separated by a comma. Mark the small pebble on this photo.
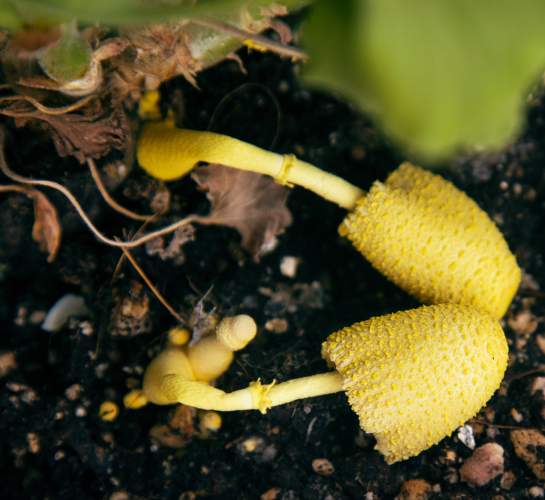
<point>271,494</point>
<point>119,495</point>
<point>414,489</point>
<point>86,328</point>
<point>252,444</point>
<point>289,265</point>
<point>277,325</point>
<point>81,412</point>
<point>507,480</point>
<point>536,492</point>
<point>8,363</point>
<point>538,386</point>
<point>357,152</point>
<point>465,435</point>
<point>485,464</point>
<point>523,323</point>
<point>73,392</point>
<point>37,317</point>
<point>323,467</point>
<point>516,415</point>
<point>33,442</point>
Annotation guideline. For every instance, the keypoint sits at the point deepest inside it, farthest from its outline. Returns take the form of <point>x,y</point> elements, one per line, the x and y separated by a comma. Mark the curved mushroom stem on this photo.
<point>167,153</point>
<point>177,389</point>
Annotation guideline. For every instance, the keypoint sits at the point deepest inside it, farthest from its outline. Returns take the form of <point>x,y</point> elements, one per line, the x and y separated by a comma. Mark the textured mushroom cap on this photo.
<point>434,242</point>
<point>415,376</point>
<point>236,332</point>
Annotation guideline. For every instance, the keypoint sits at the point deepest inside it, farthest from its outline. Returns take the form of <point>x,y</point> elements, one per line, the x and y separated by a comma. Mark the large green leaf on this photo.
<point>437,74</point>
<point>121,12</point>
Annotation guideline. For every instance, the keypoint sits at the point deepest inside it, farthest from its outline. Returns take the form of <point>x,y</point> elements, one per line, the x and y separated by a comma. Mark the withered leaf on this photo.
<point>251,203</point>
<point>89,133</point>
<point>46,230</point>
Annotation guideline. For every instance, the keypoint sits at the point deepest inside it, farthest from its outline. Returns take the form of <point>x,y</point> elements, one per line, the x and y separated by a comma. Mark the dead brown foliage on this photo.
<point>251,203</point>
<point>46,230</point>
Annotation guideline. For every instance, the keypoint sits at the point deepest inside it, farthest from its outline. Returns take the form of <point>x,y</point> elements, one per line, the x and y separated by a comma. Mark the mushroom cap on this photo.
<point>236,332</point>
<point>415,376</point>
<point>433,241</point>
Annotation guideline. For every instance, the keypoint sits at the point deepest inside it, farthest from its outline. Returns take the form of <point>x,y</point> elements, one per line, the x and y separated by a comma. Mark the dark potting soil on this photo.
<point>53,443</point>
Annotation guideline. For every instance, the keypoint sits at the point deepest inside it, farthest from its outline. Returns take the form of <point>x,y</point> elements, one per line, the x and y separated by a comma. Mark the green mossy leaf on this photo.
<point>438,75</point>
<point>67,59</point>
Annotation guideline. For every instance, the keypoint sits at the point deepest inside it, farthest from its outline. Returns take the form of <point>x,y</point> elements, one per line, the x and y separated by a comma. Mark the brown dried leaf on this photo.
<point>251,203</point>
<point>155,53</point>
<point>90,133</point>
<point>46,230</point>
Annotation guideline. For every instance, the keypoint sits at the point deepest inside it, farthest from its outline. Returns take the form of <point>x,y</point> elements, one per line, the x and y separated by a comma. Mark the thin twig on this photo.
<point>500,426</point>
<point>107,197</point>
<point>46,109</point>
<point>151,286</point>
<point>72,199</point>
<point>121,260</point>
<point>13,187</point>
<point>532,371</point>
<point>279,48</point>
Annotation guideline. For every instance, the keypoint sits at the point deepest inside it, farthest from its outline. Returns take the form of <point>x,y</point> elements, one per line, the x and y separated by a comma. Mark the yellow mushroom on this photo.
<point>202,362</point>
<point>412,377</point>
<point>211,356</point>
<point>108,411</point>
<point>419,230</point>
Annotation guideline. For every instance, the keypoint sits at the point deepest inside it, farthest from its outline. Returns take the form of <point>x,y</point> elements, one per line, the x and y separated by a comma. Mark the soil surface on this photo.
<point>54,444</point>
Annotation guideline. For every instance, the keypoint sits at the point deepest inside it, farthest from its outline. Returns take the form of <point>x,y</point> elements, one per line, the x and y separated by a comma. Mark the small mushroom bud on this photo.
<point>236,332</point>
<point>212,355</point>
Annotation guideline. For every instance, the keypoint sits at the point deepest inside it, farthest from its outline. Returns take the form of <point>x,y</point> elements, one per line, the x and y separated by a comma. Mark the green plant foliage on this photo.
<point>121,12</point>
<point>69,58</point>
<point>9,17</point>
<point>438,75</point>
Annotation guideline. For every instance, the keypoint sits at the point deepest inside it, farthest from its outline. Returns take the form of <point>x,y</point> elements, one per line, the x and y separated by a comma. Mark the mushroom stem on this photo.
<point>177,389</point>
<point>167,153</point>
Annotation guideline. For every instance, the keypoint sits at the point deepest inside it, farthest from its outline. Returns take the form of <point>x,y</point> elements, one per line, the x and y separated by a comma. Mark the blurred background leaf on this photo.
<point>122,12</point>
<point>437,75</point>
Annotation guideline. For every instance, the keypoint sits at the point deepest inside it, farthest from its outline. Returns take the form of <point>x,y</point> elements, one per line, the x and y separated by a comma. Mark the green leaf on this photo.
<point>9,18</point>
<point>67,59</point>
<point>122,12</point>
<point>438,75</point>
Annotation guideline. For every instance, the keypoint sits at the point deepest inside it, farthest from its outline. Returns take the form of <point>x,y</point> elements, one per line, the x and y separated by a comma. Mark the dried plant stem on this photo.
<point>13,187</point>
<point>260,40</point>
<point>509,427</point>
<point>151,286</point>
<point>46,109</point>
<point>107,197</point>
<point>72,199</point>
